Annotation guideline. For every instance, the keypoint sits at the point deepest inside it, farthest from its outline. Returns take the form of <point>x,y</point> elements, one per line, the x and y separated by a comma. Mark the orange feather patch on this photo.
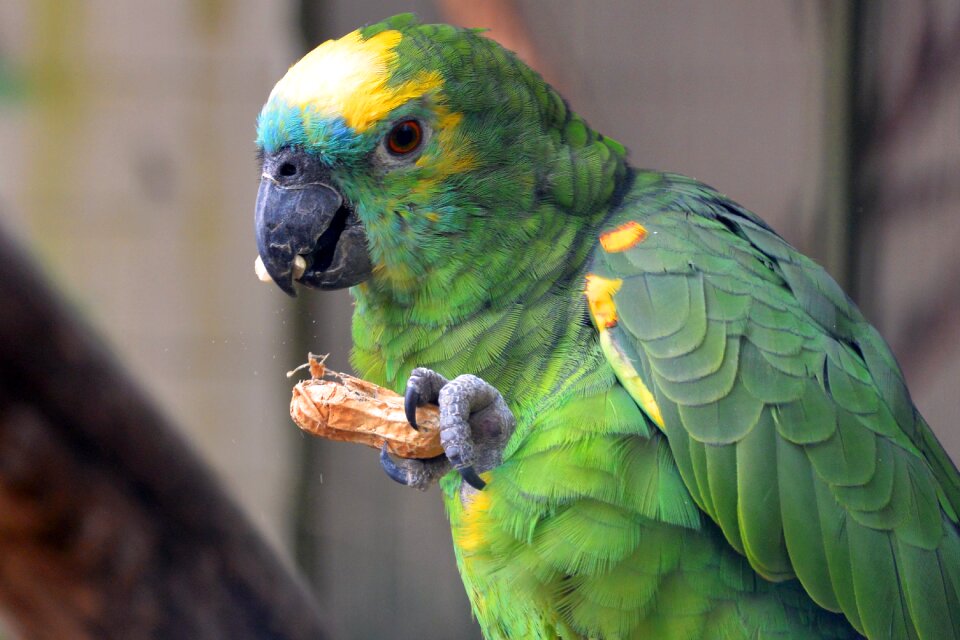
<point>599,292</point>
<point>623,237</point>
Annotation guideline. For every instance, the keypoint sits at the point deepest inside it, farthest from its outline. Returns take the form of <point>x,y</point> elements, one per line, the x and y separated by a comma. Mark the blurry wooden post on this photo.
<point>835,237</point>
<point>110,527</point>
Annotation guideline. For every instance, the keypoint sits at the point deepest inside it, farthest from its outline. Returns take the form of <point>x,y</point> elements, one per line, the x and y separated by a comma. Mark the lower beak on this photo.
<point>304,232</point>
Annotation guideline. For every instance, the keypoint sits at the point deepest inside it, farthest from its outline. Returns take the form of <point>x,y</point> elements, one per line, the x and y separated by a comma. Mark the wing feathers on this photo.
<point>787,416</point>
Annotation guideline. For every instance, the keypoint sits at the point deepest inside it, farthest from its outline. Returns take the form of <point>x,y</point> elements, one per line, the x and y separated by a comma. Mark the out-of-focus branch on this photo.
<point>110,527</point>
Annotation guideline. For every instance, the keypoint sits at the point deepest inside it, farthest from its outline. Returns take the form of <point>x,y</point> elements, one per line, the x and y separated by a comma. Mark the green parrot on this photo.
<point>659,420</point>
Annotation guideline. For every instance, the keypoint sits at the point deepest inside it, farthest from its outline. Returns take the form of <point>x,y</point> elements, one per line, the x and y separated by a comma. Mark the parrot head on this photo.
<point>402,151</point>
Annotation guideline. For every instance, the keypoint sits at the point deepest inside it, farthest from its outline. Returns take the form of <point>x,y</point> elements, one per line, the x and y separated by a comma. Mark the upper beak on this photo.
<point>289,222</point>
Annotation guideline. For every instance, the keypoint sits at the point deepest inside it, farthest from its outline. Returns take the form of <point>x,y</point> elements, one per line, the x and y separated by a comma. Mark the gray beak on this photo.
<point>295,217</point>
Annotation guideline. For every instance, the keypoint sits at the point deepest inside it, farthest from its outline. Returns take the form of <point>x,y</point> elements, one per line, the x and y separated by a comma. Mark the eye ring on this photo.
<point>404,138</point>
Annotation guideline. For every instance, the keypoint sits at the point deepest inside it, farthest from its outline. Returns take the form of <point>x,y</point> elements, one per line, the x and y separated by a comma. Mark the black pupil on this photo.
<point>404,136</point>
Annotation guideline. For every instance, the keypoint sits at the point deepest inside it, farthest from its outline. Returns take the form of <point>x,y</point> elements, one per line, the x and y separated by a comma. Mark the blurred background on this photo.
<point>128,169</point>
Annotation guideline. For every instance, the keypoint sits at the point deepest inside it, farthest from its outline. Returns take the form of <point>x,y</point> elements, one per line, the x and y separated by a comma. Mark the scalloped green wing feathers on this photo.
<point>785,410</point>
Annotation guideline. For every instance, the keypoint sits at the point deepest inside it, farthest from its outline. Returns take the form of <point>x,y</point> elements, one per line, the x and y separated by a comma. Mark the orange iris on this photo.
<point>405,137</point>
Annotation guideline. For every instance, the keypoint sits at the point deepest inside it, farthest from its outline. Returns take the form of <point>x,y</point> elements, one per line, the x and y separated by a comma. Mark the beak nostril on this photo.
<point>287,169</point>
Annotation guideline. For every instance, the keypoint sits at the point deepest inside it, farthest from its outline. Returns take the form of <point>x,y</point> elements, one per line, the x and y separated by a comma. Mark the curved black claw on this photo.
<point>470,477</point>
<point>395,473</point>
<point>411,398</point>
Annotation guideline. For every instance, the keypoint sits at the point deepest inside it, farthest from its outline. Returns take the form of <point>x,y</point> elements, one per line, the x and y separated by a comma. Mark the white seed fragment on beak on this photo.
<point>261,271</point>
<point>299,267</point>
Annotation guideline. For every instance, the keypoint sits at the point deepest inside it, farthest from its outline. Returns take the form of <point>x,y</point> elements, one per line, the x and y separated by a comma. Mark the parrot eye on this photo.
<point>404,138</point>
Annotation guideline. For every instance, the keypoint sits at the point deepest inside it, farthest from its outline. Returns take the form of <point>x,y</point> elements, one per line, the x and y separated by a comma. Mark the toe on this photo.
<point>471,477</point>
<point>393,471</point>
<point>411,399</point>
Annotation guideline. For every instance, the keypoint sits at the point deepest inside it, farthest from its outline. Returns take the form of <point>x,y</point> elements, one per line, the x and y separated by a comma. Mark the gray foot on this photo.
<point>475,425</point>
